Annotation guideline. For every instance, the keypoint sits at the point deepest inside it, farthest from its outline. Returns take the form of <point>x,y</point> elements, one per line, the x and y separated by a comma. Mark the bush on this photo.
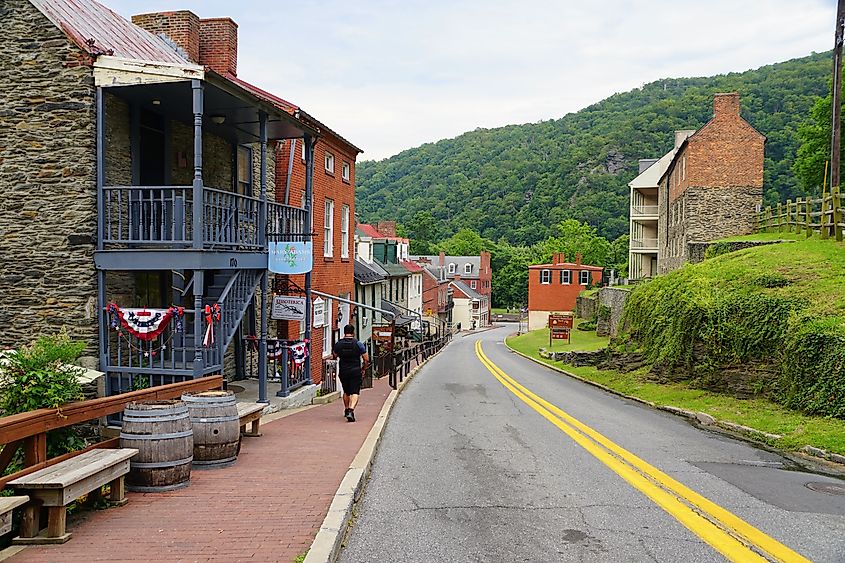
<point>39,376</point>
<point>587,325</point>
<point>717,249</point>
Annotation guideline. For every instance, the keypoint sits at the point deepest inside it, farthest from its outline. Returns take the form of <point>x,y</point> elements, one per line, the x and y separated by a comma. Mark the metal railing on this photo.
<point>641,210</point>
<point>162,216</point>
<point>281,367</point>
<point>404,360</point>
<point>234,301</point>
<point>329,383</point>
<point>650,243</point>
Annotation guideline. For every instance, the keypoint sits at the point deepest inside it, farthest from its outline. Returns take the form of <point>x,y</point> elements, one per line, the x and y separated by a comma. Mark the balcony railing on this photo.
<point>644,210</point>
<point>162,217</point>
<point>644,243</point>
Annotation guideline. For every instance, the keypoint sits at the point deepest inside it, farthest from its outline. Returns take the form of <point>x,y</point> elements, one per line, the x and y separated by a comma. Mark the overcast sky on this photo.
<point>391,75</point>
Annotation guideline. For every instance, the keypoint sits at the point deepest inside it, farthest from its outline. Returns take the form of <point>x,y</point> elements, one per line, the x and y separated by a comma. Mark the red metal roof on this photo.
<point>99,31</point>
<point>564,266</point>
<point>372,232</point>
<point>412,266</point>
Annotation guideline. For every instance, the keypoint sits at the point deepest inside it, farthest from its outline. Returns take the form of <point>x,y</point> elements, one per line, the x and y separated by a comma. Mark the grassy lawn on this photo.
<point>797,429</point>
<point>768,236</point>
<point>530,342</point>
<point>502,310</point>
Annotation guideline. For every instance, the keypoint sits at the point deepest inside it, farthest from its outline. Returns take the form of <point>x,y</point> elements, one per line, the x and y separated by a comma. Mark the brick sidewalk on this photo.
<point>268,506</point>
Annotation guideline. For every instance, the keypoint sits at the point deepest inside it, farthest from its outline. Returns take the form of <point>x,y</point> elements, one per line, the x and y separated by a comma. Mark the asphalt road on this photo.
<point>469,471</point>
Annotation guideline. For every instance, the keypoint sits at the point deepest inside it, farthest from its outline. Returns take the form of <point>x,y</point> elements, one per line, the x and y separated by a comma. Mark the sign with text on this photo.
<point>319,315</point>
<point>289,257</point>
<point>288,308</point>
<point>560,321</point>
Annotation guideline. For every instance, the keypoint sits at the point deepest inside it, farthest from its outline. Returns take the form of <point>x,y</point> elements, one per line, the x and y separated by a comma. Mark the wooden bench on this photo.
<point>7,504</point>
<point>58,485</point>
<point>250,413</point>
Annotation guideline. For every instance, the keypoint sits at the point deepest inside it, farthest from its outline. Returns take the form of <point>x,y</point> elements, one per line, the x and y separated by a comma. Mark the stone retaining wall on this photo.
<point>614,299</point>
<point>585,307</point>
<point>697,250</point>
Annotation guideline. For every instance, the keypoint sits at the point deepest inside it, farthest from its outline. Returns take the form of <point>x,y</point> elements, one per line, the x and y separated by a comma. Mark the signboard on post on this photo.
<point>560,324</point>
<point>288,308</point>
<point>319,313</point>
<point>289,257</point>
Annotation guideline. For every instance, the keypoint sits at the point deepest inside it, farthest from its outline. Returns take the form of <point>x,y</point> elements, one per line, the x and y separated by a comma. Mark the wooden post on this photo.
<point>117,491</point>
<point>31,519</point>
<point>808,211</point>
<point>836,202</point>
<point>778,224</point>
<point>56,520</point>
<point>823,218</point>
<point>35,449</point>
<point>789,216</point>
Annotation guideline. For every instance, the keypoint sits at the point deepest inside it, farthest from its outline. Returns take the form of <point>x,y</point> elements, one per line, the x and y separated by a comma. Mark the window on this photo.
<point>584,277</point>
<point>344,232</point>
<point>329,162</point>
<point>565,277</point>
<point>344,171</point>
<point>328,229</point>
<point>452,267</point>
<point>467,268</point>
<point>327,329</point>
<point>545,276</point>
<point>244,171</point>
<point>303,148</point>
<point>472,284</point>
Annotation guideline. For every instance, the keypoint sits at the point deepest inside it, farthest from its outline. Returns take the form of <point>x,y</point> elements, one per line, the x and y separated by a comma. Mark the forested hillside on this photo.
<point>516,182</point>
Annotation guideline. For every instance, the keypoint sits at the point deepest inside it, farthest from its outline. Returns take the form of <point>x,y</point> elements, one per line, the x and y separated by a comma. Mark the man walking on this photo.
<point>350,352</point>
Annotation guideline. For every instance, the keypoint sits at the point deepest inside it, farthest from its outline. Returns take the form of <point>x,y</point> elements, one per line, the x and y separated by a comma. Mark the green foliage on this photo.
<point>572,237</point>
<point>814,151</point>
<point>813,372</point>
<point>587,326</point>
<point>39,376</point>
<point>517,182</point>
<point>466,242</point>
<point>717,249</point>
<point>777,305</point>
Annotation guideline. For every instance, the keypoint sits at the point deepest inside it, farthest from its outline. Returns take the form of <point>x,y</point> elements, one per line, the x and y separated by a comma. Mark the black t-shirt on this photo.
<point>349,352</point>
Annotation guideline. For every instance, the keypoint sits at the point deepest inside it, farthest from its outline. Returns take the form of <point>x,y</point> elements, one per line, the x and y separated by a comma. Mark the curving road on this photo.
<point>490,457</point>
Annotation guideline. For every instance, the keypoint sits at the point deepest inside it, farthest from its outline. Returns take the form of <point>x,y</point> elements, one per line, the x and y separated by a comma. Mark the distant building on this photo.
<point>709,186</point>
<point>474,271</point>
<point>554,287</point>
<point>471,308</point>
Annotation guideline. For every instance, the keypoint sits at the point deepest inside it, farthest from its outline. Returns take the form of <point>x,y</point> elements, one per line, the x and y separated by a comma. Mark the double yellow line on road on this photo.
<point>726,533</point>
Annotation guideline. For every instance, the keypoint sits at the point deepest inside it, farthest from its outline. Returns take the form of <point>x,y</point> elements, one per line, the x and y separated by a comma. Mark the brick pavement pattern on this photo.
<point>268,506</point>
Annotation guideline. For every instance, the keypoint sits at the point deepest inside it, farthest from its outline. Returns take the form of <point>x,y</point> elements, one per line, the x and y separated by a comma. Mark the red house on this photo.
<point>554,287</point>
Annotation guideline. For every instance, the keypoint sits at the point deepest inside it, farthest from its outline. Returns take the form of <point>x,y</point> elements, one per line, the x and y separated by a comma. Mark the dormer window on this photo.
<point>468,268</point>
<point>452,267</point>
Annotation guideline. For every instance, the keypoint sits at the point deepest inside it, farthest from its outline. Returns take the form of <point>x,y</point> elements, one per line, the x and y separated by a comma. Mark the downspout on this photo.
<point>290,170</point>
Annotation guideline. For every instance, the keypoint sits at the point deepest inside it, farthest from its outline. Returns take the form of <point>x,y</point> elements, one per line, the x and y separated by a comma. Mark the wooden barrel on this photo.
<point>161,432</point>
<point>217,432</point>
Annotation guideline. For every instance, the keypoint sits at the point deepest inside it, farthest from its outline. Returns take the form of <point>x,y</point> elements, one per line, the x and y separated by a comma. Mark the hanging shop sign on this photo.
<point>290,257</point>
<point>319,316</point>
<point>288,308</point>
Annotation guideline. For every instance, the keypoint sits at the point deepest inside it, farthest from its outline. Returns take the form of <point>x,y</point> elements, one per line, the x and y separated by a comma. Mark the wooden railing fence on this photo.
<point>822,216</point>
<point>29,429</point>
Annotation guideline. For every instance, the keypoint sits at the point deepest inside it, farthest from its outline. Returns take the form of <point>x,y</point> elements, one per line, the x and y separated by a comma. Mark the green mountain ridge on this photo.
<point>516,182</point>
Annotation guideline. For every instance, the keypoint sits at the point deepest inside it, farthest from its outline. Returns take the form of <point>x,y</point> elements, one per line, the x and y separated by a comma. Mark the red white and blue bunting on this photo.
<point>145,324</point>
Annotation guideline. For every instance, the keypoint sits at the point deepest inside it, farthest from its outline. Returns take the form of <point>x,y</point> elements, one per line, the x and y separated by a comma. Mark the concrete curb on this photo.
<point>329,539</point>
<point>824,462</point>
<point>325,399</point>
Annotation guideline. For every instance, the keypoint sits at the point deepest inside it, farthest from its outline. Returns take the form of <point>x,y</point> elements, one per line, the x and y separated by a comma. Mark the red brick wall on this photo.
<point>726,153</point>
<point>219,44</point>
<point>335,275</point>
<point>555,296</point>
<point>430,294</point>
<point>183,27</point>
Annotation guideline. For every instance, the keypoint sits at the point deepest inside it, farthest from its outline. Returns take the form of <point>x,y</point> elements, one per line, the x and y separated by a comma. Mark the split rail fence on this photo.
<point>823,216</point>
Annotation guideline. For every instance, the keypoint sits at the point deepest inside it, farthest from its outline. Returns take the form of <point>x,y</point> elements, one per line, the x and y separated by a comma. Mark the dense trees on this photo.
<point>518,182</point>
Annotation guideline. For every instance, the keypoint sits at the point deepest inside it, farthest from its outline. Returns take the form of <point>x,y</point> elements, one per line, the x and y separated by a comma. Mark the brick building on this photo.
<point>475,271</point>
<point>709,186</point>
<point>554,287</point>
<point>333,226</point>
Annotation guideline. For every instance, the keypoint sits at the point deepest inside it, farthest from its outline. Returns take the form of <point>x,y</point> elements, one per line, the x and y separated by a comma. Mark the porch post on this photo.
<point>309,215</point>
<point>199,319</point>
<point>102,323</point>
<point>262,240</point>
<point>197,224</point>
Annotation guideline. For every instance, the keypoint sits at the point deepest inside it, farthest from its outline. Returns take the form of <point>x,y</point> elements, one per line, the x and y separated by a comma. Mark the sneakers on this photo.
<point>349,414</point>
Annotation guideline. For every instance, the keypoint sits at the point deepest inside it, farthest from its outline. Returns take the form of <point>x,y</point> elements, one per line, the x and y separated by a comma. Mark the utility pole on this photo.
<point>836,96</point>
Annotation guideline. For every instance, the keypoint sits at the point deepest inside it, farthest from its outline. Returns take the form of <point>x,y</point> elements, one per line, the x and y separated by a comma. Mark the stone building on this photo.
<point>139,170</point>
<point>709,186</point>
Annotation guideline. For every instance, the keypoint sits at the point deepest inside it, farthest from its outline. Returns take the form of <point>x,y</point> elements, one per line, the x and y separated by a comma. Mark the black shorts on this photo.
<point>351,382</point>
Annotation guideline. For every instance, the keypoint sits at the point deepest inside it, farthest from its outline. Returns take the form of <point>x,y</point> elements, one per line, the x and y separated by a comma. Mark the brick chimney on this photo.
<point>577,258</point>
<point>457,277</point>
<point>485,261</point>
<point>387,228</point>
<point>181,27</point>
<point>726,105</point>
<point>442,259</point>
<point>219,45</point>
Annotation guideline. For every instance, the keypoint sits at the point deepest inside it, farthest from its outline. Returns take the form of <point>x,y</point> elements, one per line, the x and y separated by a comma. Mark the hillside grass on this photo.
<point>580,340</point>
<point>797,429</point>
<point>766,237</point>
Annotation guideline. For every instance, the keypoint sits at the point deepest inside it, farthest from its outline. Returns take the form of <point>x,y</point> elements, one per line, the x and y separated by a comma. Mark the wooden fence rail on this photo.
<point>29,429</point>
<point>822,216</point>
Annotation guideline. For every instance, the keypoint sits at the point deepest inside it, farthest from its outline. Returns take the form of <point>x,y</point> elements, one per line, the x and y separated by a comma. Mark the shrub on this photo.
<point>587,325</point>
<point>717,249</point>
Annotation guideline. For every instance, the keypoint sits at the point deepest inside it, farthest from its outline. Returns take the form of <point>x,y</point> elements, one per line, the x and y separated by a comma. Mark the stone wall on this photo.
<point>217,158</point>
<point>585,307</point>
<point>614,299</point>
<point>47,176</point>
<point>697,250</point>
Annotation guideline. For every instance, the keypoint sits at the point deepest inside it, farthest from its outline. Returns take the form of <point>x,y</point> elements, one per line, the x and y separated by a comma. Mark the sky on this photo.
<point>389,75</point>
